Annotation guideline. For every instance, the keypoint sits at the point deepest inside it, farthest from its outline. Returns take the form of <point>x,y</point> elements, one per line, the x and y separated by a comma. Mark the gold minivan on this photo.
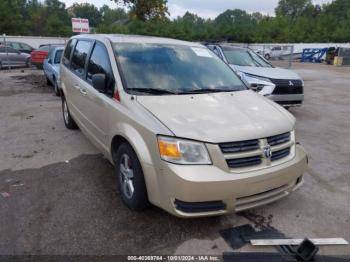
<point>181,129</point>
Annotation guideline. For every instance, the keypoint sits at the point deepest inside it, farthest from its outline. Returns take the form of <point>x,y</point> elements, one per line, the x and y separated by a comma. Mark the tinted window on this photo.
<point>99,63</point>
<point>68,51</point>
<point>11,50</point>
<point>16,46</point>
<point>79,56</point>
<point>44,48</point>
<point>243,57</point>
<point>25,47</point>
<point>58,56</point>
<point>2,49</point>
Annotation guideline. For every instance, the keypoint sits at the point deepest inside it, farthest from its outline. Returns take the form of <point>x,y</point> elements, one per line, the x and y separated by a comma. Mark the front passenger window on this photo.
<point>79,57</point>
<point>99,63</point>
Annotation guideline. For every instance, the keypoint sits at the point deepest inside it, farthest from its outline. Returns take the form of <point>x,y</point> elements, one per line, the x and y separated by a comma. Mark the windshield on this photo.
<point>243,57</point>
<point>58,56</point>
<point>169,69</point>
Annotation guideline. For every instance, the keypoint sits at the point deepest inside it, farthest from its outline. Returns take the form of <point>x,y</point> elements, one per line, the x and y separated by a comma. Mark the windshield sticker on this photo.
<point>201,52</point>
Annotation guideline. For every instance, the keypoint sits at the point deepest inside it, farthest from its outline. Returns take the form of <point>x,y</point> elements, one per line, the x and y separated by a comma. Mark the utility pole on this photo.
<point>7,53</point>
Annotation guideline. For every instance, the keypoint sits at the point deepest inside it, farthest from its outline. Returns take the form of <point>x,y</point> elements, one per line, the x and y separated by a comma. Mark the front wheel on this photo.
<point>267,56</point>
<point>67,118</point>
<point>130,177</point>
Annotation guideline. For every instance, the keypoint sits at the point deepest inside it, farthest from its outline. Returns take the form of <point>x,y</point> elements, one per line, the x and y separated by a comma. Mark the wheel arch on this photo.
<point>127,133</point>
<point>131,136</point>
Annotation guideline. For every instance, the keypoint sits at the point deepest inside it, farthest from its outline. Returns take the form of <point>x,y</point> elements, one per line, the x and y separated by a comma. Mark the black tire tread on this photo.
<point>139,201</point>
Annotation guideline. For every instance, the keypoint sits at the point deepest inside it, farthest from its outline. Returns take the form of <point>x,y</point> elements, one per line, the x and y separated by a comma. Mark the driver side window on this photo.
<point>99,63</point>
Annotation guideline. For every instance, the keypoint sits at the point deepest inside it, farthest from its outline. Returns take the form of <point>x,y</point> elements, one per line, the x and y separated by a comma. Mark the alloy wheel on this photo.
<point>126,176</point>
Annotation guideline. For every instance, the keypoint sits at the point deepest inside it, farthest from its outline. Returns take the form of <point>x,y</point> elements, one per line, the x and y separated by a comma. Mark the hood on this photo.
<point>272,73</point>
<point>219,117</point>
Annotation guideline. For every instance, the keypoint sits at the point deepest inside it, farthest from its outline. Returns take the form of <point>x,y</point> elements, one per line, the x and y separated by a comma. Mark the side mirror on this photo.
<point>49,61</point>
<point>99,82</point>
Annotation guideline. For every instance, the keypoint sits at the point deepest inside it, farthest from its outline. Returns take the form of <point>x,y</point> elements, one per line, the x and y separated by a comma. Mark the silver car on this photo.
<point>51,68</point>
<point>10,57</point>
<point>280,85</point>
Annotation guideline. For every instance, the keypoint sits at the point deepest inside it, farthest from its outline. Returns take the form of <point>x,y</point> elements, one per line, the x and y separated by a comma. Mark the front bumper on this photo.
<point>236,191</point>
<point>288,100</point>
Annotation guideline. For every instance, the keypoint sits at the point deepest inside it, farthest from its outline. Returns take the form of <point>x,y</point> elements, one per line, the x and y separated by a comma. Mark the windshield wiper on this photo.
<point>154,91</point>
<point>206,90</point>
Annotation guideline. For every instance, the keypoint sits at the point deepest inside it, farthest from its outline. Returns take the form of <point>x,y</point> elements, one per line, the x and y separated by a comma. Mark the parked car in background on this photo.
<point>19,46</point>
<point>276,52</point>
<point>51,68</point>
<point>10,57</point>
<point>39,55</point>
<point>280,85</point>
<point>181,129</point>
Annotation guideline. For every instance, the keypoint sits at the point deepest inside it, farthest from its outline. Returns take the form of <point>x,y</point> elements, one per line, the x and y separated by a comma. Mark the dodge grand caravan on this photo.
<point>181,129</point>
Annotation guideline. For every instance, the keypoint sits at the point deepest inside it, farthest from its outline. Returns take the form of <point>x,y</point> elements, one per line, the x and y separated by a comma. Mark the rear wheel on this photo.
<point>48,82</point>
<point>67,118</point>
<point>56,88</point>
<point>130,178</point>
<point>28,63</point>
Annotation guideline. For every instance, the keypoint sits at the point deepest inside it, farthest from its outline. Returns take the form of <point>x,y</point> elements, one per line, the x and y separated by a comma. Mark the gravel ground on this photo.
<point>58,196</point>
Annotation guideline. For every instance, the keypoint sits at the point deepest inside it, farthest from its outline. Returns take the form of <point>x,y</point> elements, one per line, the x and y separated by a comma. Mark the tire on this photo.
<point>267,56</point>
<point>131,181</point>
<point>55,87</point>
<point>28,64</point>
<point>67,118</point>
<point>0,65</point>
<point>48,82</point>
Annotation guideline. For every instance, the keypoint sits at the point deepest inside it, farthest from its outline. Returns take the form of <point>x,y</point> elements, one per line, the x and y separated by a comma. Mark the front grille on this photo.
<point>284,87</point>
<point>197,207</point>
<point>279,139</point>
<point>280,154</point>
<point>250,153</point>
<point>290,102</point>
<point>242,146</point>
<point>244,162</point>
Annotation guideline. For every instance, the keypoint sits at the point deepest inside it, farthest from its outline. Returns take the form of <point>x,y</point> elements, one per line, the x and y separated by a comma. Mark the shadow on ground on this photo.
<point>74,208</point>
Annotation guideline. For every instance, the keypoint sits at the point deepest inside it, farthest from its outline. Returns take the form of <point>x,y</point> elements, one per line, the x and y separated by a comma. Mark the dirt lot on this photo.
<point>57,193</point>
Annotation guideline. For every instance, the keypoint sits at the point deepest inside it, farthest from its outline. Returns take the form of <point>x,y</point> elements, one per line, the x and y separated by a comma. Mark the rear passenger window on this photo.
<point>99,63</point>
<point>79,56</point>
<point>68,51</point>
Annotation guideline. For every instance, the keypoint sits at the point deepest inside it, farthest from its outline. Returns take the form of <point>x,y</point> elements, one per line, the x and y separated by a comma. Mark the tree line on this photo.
<point>295,21</point>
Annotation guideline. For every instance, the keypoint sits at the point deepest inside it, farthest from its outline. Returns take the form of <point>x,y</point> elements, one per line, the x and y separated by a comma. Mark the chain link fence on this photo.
<point>277,55</point>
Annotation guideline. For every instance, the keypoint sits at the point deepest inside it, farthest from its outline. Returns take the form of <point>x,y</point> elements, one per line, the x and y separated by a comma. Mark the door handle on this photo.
<point>77,87</point>
<point>83,91</point>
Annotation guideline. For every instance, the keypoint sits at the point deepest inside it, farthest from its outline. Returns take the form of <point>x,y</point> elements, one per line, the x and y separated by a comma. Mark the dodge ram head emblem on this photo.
<point>267,152</point>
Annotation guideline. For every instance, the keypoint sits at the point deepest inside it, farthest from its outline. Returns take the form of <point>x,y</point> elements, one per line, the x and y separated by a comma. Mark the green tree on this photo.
<point>11,22</point>
<point>88,11</point>
<point>146,9</point>
<point>110,16</point>
<point>293,8</point>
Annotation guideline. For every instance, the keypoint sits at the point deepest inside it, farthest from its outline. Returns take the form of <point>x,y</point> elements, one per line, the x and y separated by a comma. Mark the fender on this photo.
<point>134,138</point>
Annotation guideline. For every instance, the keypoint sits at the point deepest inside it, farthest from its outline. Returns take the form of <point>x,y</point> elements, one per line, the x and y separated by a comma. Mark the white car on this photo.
<point>280,85</point>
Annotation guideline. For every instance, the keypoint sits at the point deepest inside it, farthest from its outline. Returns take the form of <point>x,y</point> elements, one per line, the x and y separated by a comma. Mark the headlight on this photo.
<point>259,84</point>
<point>252,78</point>
<point>180,151</point>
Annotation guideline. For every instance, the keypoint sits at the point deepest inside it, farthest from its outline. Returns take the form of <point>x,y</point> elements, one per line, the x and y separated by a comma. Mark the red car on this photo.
<point>38,56</point>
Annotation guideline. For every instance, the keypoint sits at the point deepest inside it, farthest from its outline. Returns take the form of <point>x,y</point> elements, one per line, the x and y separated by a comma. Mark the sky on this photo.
<point>206,8</point>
